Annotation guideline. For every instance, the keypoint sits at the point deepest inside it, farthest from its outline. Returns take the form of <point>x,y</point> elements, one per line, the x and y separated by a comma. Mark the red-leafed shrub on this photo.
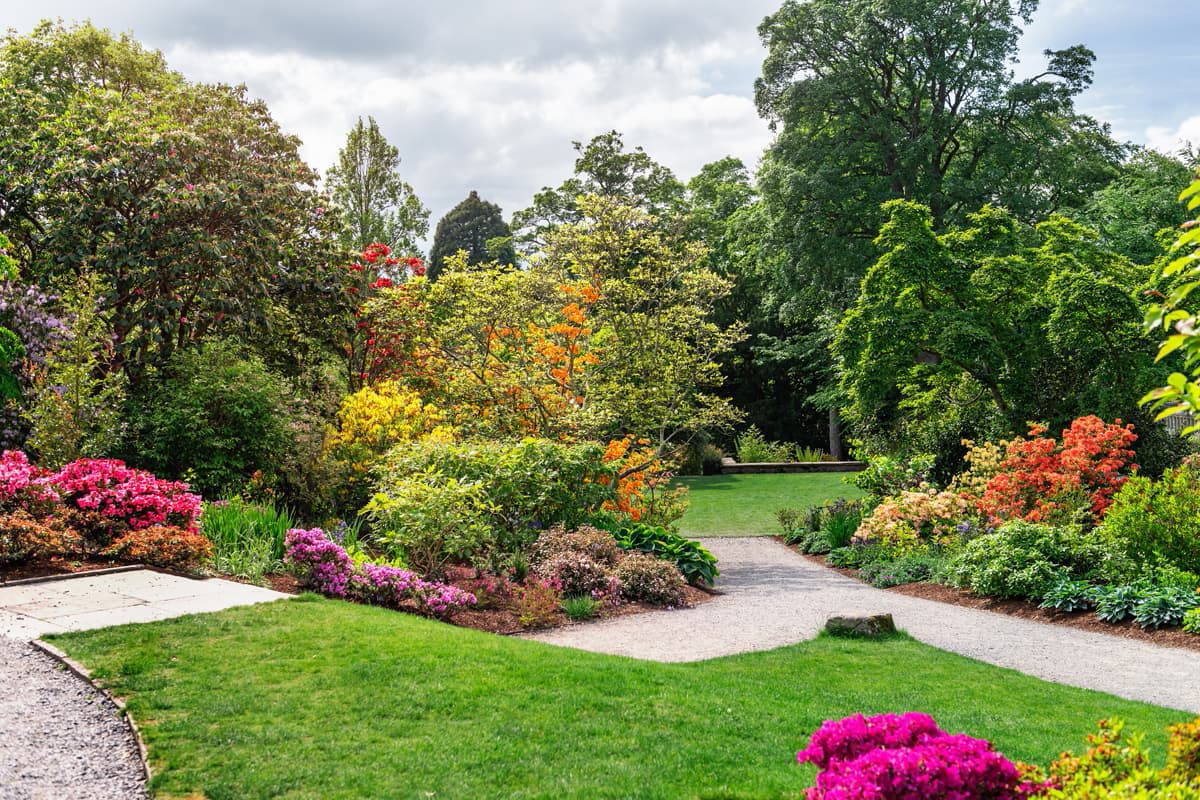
<point>163,546</point>
<point>22,537</point>
<point>1043,480</point>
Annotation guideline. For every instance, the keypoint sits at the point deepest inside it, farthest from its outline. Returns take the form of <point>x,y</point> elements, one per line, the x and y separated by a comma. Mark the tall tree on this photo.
<point>377,206</point>
<point>606,169</point>
<point>882,99</point>
<point>476,227</point>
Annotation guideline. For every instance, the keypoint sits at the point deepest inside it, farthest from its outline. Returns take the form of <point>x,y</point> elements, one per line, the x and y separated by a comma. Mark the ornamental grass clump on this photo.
<point>906,757</point>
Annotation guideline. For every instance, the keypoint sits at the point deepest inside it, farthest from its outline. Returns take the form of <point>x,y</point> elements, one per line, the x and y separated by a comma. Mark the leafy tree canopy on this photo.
<point>476,227</point>
<point>377,206</point>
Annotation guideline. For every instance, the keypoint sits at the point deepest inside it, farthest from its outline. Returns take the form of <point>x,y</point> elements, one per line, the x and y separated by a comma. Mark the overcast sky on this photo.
<point>489,95</point>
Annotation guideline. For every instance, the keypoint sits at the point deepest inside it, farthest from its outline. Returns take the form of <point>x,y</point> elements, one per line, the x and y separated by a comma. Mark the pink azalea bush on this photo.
<point>121,494</point>
<point>324,565</point>
<point>907,757</point>
<point>21,482</point>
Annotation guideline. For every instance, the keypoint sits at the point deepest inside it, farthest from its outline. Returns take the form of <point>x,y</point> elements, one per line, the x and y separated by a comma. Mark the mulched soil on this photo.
<point>54,565</point>
<point>1084,620</point>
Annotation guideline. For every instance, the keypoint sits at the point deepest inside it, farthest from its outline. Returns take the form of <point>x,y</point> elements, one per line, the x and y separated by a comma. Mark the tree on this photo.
<point>972,333</point>
<point>187,200</point>
<point>878,99</point>
<point>377,206</point>
<point>476,227</point>
<point>603,168</point>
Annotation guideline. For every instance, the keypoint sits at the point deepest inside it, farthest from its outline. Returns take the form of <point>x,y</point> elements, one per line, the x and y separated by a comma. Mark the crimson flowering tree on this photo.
<point>371,351</point>
<point>1043,480</point>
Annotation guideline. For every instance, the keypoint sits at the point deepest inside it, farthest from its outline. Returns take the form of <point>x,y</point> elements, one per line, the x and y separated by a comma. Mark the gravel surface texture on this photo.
<point>774,597</point>
<point>59,738</point>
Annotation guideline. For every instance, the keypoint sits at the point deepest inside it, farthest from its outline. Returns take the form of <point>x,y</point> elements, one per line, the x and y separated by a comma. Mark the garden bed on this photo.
<point>50,566</point>
<point>1025,609</point>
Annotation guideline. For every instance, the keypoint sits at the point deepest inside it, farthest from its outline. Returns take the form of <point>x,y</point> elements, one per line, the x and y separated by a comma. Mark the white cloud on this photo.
<point>1172,140</point>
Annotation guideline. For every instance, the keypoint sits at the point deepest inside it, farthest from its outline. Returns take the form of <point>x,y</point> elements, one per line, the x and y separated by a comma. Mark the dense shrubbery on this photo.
<point>696,564</point>
<point>1159,520</point>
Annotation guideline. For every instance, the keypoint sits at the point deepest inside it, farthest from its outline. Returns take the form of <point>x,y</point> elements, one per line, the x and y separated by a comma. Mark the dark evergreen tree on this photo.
<point>477,227</point>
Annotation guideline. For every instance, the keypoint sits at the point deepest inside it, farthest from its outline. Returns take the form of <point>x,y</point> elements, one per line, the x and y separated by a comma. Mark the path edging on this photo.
<point>63,576</point>
<point>84,674</point>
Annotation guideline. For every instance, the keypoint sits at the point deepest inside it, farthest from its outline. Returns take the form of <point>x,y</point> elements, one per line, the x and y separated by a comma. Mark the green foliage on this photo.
<point>11,352</point>
<point>75,408</point>
<point>441,502</point>
<point>377,206</point>
<point>1165,607</point>
<point>247,538</point>
<point>753,447</point>
<point>1017,325</point>
<point>1191,620</point>
<point>536,604</point>
<point>912,568</point>
<point>697,565</point>
<point>580,607</point>
<point>1070,595</point>
<point>218,417</point>
<point>1157,521</point>
<point>476,227</point>
<point>1027,560</point>
<point>886,476</point>
<point>1117,602</point>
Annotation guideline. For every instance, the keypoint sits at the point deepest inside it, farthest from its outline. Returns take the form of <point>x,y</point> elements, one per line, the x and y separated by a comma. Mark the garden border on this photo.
<point>62,576</point>
<point>85,675</point>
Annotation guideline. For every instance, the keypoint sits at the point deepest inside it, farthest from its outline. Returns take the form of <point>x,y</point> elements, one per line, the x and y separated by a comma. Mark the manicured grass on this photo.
<point>323,699</point>
<point>745,505</point>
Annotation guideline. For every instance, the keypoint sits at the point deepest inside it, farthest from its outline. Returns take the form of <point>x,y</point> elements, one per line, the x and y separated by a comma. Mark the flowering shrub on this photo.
<point>600,546</point>
<point>325,565</point>
<point>577,574</point>
<point>914,519</point>
<point>1041,480</point>
<point>906,757</point>
<point>641,483</point>
<point>536,603</point>
<point>320,563</point>
<point>21,485</point>
<point>130,497</point>
<point>164,546</point>
<point>983,461</point>
<point>649,579</point>
<point>1117,766</point>
<point>22,536</point>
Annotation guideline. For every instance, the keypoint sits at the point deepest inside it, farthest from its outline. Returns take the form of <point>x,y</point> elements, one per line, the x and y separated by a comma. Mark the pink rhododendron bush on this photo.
<point>98,507</point>
<point>908,757</point>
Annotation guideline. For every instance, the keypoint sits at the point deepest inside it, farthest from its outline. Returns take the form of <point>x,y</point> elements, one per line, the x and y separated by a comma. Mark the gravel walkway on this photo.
<point>774,597</point>
<point>58,737</point>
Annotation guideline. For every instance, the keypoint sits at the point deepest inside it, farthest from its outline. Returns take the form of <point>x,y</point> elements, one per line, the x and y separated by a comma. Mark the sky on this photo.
<point>489,96</point>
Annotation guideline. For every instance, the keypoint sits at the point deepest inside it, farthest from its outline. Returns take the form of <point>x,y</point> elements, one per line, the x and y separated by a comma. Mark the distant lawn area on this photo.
<point>745,505</point>
<point>320,699</point>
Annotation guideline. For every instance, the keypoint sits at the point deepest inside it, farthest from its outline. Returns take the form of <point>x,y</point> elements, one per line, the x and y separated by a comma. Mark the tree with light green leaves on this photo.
<point>377,205</point>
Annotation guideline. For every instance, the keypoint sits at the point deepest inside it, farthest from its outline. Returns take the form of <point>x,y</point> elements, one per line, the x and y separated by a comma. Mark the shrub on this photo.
<point>646,578</point>
<point>1024,559</point>
<point>794,522</point>
<point>370,422</point>
<point>498,494</point>
<point>1191,620</point>
<point>598,545</point>
<point>913,568</point>
<point>218,416</point>
<point>642,490</point>
<point>22,485</point>
<point>1116,765</point>
<point>1164,607</point>
<point>697,565</point>
<point>114,498</point>
<point>1159,520</point>
<point>491,591</point>
<point>898,757</point>
<point>318,561</point>
<point>577,574</point>
<point>914,520</point>
<point>536,603</point>
<point>886,476</point>
<point>1041,480</point>
<point>166,546</point>
<point>22,537</point>
<point>753,447</point>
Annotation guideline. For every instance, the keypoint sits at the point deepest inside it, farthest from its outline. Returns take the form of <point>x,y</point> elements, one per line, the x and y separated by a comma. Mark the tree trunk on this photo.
<point>835,436</point>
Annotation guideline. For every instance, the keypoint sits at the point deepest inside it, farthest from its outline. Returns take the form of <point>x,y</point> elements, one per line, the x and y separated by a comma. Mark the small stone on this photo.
<point>863,625</point>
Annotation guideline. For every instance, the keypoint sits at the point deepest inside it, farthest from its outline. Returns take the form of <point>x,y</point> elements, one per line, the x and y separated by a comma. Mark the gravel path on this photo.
<point>58,737</point>
<point>774,597</point>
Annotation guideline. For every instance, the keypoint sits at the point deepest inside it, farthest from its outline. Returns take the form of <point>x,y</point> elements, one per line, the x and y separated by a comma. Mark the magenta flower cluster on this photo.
<point>906,757</point>
<point>19,478</point>
<point>325,565</point>
<point>133,496</point>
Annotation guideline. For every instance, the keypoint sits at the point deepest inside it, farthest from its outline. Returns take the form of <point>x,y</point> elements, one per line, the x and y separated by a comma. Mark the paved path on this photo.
<point>30,610</point>
<point>773,597</point>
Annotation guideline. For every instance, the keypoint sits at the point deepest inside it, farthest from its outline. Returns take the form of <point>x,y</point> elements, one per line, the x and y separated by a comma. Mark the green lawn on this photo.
<point>322,699</point>
<point>745,505</point>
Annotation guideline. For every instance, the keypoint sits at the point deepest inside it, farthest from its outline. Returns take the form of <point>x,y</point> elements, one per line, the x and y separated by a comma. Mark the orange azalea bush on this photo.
<point>1043,480</point>
<point>642,488</point>
<point>163,546</point>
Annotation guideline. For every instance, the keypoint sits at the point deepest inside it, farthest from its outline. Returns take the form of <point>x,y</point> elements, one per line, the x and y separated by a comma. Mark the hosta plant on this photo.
<point>1070,596</point>
<point>1165,607</point>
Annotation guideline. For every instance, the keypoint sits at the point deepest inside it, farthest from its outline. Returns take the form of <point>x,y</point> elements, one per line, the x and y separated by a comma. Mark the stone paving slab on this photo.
<point>772,597</point>
<point>80,603</point>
